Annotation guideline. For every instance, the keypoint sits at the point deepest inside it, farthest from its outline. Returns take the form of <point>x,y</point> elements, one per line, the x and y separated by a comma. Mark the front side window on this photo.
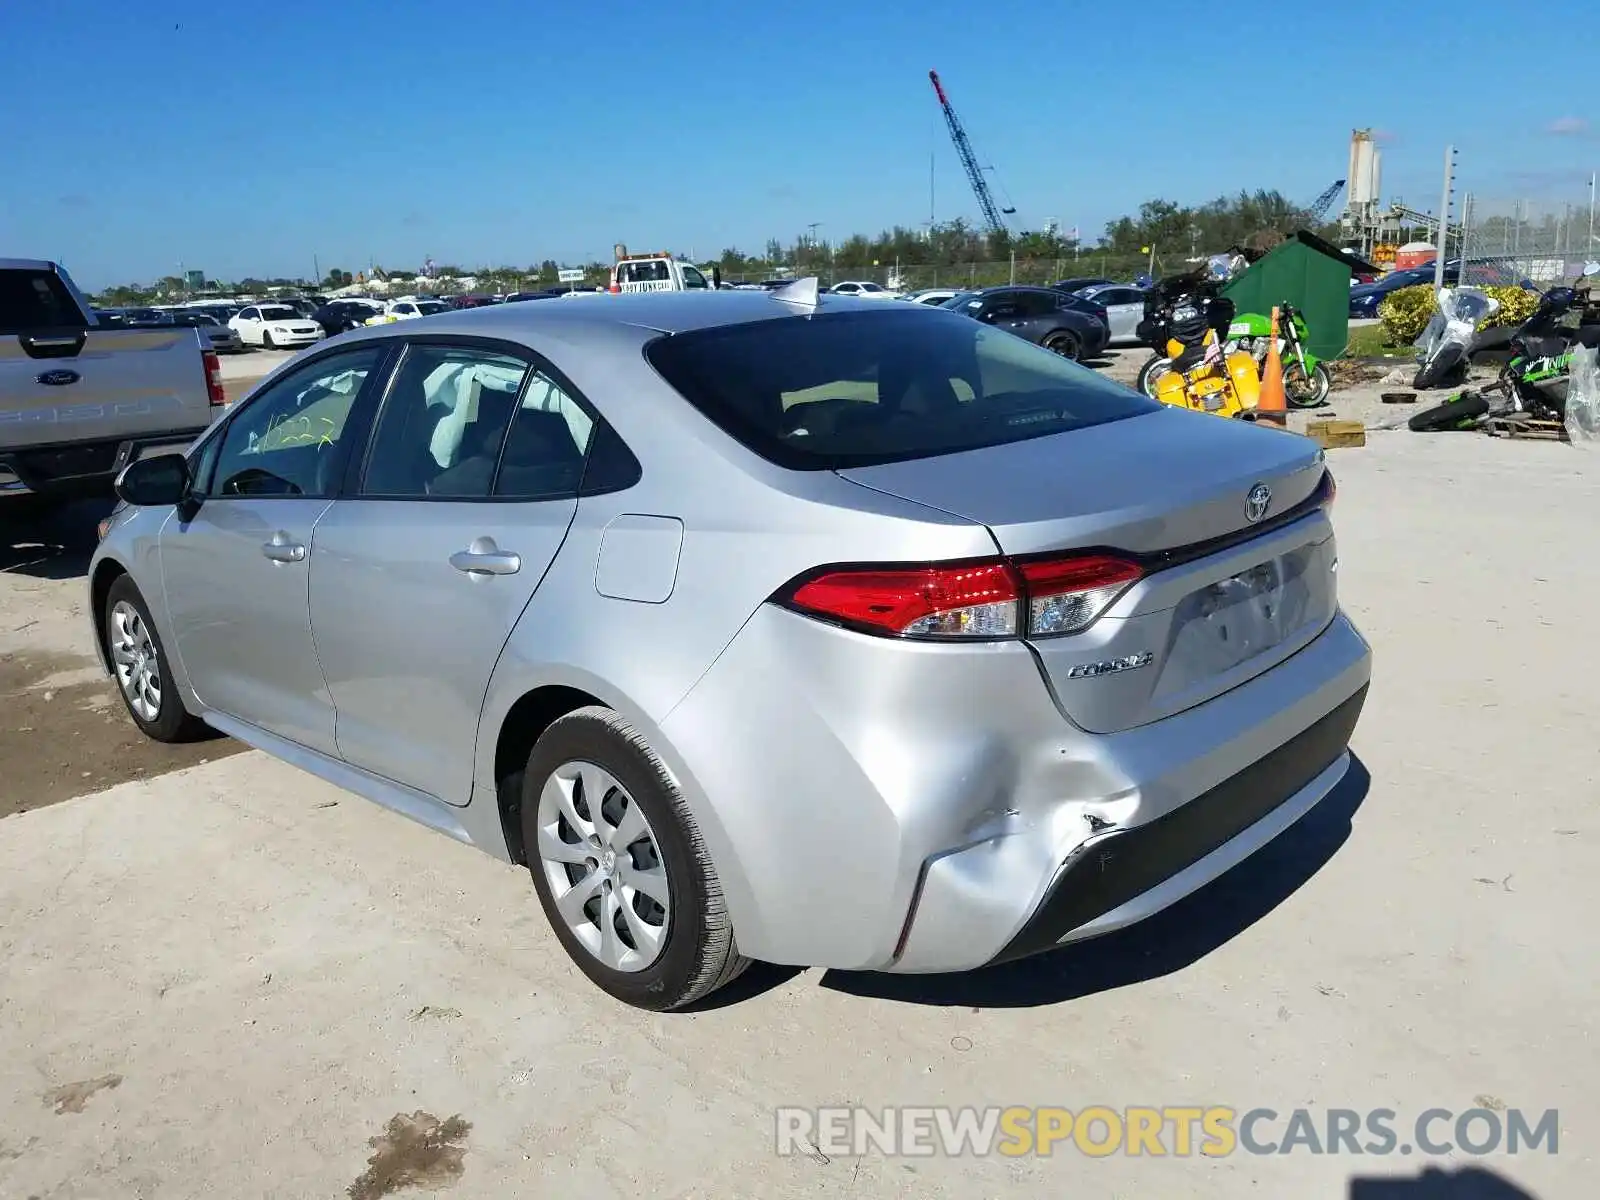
<point>442,424</point>
<point>693,279</point>
<point>286,441</point>
<point>838,390</point>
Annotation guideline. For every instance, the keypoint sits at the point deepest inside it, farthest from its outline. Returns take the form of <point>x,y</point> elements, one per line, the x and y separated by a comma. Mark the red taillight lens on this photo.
<point>990,599</point>
<point>214,389</point>
<point>973,600</point>
<point>1066,595</point>
<point>1327,490</point>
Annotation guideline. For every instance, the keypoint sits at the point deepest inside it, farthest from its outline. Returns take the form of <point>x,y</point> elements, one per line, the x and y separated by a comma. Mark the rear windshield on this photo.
<point>36,300</point>
<point>853,389</point>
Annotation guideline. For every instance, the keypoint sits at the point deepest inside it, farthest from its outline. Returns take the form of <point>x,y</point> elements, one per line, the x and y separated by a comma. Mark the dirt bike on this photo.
<point>1305,380</point>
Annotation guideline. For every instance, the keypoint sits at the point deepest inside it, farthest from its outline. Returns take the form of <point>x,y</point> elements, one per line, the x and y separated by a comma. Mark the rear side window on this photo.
<point>36,300</point>
<point>852,389</point>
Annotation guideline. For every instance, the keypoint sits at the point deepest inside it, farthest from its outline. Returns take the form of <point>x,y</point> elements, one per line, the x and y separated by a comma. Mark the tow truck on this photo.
<point>658,271</point>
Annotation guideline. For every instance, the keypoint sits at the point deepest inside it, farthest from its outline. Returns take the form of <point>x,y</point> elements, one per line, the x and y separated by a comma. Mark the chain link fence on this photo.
<point>1509,242</point>
<point>961,276</point>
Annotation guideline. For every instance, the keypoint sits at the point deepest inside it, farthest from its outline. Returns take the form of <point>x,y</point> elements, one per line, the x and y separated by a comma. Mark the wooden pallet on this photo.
<point>1525,427</point>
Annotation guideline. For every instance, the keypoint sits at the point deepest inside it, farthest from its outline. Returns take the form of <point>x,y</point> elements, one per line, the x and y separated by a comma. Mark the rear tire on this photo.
<point>1452,414</point>
<point>572,844</point>
<point>1065,344</point>
<point>138,663</point>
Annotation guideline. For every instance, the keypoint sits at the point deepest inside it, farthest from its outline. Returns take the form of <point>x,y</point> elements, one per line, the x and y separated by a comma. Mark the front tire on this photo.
<point>1151,372</point>
<point>266,340</point>
<point>138,662</point>
<point>1301,392</point>
<point>1065,344</point>
<point>620,867</point>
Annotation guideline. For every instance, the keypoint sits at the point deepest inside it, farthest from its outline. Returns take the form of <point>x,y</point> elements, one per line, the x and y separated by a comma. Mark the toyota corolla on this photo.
<point>754,625</point>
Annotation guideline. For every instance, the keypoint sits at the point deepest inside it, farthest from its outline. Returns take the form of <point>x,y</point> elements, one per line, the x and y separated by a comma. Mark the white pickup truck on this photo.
<point>79,401</point>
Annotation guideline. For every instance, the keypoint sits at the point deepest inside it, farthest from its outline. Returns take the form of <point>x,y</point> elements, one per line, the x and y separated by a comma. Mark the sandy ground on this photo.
<point>231,980</point>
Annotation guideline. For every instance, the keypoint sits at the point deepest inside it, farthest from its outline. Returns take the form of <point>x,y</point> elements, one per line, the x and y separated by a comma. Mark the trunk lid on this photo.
<point>1225,597</point>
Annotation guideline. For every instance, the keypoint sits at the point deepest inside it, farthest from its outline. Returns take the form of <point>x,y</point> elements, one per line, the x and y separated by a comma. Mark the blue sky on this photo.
<point>251,139</point>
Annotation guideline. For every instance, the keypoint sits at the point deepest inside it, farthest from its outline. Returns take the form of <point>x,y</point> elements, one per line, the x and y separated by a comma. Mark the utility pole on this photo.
<point>1444,215</point>
<point>1588,251</point>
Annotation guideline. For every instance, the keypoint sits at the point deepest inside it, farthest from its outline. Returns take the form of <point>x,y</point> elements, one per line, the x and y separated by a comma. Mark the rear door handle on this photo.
<point>483,557</point>
<point>283,548</point>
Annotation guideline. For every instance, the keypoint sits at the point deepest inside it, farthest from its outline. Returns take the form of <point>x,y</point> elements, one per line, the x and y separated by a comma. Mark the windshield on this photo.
<point>852,389</point>
<point>428,307</point>
<point>279,312</point>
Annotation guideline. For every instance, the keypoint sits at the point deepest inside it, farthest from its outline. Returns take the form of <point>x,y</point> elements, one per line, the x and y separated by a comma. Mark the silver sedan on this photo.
<point>1124,306</point>
<point>813,630</point>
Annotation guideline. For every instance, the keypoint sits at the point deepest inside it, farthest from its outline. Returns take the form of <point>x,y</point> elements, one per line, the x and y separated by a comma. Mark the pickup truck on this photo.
<point>78,400</point>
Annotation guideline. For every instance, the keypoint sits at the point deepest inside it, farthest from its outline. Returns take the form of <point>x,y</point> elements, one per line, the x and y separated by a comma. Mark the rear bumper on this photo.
<point>1120,878</point>
<point>83,468</point>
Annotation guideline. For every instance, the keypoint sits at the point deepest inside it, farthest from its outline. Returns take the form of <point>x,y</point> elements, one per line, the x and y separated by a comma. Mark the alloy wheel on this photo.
<point>604,866</point>
<point>138,666</point>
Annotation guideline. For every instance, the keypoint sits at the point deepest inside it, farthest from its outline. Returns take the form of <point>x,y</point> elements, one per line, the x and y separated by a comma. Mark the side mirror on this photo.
<point>154,482</point>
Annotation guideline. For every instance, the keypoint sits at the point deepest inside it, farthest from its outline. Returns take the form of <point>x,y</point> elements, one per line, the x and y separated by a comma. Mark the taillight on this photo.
<point>214,389</point>
<point>1066,595</point>
<point>982,600</point>
<point>1326,490</point>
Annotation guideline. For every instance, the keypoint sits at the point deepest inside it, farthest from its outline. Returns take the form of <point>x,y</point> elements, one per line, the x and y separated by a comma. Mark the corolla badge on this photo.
<point>58,378</point>
<point>1257,502</point>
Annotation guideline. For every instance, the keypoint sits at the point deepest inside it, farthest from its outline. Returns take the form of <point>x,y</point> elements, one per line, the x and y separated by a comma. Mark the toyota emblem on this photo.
<point>1257,503</point>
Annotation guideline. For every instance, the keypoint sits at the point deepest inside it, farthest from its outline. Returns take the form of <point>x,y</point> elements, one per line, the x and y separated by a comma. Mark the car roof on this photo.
<point>658,312</point>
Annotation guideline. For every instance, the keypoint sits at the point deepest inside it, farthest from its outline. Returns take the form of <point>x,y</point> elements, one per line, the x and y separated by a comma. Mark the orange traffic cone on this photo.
<point>1272,406</point>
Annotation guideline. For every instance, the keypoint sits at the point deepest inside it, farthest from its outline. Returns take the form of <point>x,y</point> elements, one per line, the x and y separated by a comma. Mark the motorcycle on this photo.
<point>1535,378</point>
<point>1202,374</point>
<point>1446,341</point>
<point>1306,382</point>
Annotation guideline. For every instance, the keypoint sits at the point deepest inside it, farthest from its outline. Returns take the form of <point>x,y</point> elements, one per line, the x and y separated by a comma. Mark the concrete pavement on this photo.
<point>228,980</point>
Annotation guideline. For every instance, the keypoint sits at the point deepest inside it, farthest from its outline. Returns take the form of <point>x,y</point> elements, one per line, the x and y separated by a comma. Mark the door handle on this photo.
<point>483,557</point>
<point>283,549</point>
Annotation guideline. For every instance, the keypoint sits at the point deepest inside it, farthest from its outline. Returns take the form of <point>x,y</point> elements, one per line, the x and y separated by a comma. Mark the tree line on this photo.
<point>1162,231</point>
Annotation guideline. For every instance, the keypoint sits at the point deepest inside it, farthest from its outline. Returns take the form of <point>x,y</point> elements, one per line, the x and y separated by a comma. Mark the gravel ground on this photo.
<point>231,980</point>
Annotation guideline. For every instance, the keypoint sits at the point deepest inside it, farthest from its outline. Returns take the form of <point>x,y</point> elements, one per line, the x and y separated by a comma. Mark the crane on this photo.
<point>1318,209</point>
<point>969,160</point>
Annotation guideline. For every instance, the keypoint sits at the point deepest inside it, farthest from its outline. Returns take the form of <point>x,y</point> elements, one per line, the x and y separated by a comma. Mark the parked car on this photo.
<point>865,289</point>
<point>1071,286</point>
<point>1365,298</point>
<point>80,396</point>
<point>930,295</point>
<point>1124,309</point>
<point>1043,316</point>
<point>999,654</point>
<point>220,337</point>
<point>274,327</point>
<point>341,316</point>
<point>407,308</point>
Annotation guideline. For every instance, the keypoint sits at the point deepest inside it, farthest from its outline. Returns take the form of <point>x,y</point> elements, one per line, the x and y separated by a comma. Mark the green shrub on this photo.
<point>1406,313</point>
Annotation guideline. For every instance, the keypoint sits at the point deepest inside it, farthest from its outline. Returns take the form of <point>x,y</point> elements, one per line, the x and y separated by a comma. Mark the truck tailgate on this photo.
<point>121,383</point>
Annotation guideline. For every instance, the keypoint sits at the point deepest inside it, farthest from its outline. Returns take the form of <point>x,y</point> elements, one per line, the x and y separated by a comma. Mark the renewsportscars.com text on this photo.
<point>1214,1131</point>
